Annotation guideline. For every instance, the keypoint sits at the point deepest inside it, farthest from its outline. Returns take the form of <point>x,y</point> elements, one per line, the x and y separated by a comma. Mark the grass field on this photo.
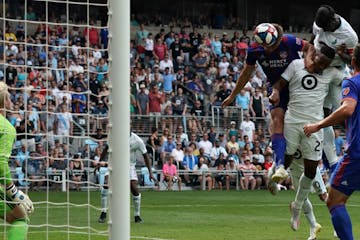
<point>197,215</point>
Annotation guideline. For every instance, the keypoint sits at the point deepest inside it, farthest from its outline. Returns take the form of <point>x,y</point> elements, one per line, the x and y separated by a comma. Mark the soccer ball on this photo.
<point>265,33</point>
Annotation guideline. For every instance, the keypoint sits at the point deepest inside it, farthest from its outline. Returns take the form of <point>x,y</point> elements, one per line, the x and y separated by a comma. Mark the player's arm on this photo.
<point>148,165</point>
<point>344,53</point>
<point>340,115</point>
<point>274,98</point>
<point>240,83</point>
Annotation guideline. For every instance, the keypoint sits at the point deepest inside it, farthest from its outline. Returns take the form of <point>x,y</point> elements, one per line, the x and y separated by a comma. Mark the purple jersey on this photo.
<point>346,175</point>
<point>274,64</point>
<point>351,89</point>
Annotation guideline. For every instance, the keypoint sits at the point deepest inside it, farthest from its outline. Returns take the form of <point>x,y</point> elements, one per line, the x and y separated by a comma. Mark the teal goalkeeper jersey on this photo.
<point>7,138</point>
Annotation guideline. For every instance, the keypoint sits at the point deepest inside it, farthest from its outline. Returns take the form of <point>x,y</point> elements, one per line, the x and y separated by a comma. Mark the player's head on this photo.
<point>5,102</point>
<point>325,16</point>
<point>355,61</point>
<point>323,58</point>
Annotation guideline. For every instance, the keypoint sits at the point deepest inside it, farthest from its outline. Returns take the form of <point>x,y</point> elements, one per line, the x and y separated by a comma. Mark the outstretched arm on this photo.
<point>240,83</point>
<point>346,109</point>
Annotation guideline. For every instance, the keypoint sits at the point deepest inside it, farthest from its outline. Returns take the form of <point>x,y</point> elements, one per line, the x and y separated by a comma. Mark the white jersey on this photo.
<point>307,92</point>
<point>345,34</point>
<point>136,144</point>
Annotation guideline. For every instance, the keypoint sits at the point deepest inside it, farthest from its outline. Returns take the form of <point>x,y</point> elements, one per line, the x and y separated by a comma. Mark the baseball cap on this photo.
<point>233,122</point>
<point>231,159</point>
<point>156,66</point>
<point>247,158</point>
<point>142,85</point>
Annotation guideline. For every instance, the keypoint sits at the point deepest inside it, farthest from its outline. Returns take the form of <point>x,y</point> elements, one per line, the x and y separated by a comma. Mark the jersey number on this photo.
<point>309,82</point>
<point>317,146</point>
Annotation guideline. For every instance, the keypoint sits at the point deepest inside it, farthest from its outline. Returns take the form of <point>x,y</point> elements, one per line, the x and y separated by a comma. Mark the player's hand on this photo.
<point>341,49</point>
<point>153,178</point>
<point>20,197</point>
<point>311,128</point>
<point>227,101</point>
<point>274,98</point>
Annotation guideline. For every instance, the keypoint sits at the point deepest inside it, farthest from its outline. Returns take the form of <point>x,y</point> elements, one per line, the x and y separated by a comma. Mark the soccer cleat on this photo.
<point>102,217</point>
<point>313,231</point>
<point>138,219</point>
<point>280,174</point>
<point>295,217</point>
<point>335,234</point>
<point>273,187</point>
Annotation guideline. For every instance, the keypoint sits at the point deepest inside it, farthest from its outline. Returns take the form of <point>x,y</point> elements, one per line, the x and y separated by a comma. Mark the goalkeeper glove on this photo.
<point>20,197</point>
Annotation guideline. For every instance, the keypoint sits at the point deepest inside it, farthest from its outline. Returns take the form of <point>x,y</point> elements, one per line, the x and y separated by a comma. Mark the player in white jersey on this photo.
<point>307,93</point>
<point>334,31</point>
<point>137,145</point>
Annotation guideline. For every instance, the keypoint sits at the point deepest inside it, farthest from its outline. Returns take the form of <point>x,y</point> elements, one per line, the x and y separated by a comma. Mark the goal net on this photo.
<point>54,57</point>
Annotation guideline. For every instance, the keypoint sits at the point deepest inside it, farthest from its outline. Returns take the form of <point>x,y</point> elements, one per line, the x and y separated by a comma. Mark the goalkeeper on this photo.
<point>15,204</point>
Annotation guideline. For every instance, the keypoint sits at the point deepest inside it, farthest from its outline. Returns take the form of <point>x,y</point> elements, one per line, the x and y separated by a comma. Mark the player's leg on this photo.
<point>136,196</point>
<point>104,200</point>
<point>332,102</point>
<point>19,226</point>
<point>17,217</point>
<point>339,215</point>
<point>278,139</point>
<point>343,182</point>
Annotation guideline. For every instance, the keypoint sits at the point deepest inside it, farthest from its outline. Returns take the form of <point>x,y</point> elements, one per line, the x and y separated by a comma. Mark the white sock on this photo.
<point>104,199</point>
<point>303,191</point>
<point>329,145</point>
<point>309,213</point>
<point>318,183</point>
<point>137,203</point>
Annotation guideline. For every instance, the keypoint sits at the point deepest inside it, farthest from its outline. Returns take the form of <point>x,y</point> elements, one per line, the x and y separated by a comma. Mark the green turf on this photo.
<point>197,215</point>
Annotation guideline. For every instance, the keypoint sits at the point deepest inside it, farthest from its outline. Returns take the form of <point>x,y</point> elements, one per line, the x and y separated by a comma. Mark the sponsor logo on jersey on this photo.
<point>346,91</point>
<point>345,183</point>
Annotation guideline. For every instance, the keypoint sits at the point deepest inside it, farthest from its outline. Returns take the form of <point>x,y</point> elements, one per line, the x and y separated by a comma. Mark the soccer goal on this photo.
<point>66,65</point>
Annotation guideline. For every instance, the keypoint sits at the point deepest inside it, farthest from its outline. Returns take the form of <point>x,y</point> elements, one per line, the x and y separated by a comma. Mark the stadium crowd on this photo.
<point>58,78</point>
<point>178,78</point>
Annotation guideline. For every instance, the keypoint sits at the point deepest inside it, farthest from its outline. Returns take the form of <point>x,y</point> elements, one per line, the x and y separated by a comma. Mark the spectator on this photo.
<point>216,151</point>
<point>160,49</point>
<point>206,145</point>
<point>79,101</point>
<point>168,79</point>
<point>179,106</point>
<point>21,159</point>
<point>178,154</point>
<point>166,63</point>
<point>232,144</point>
<point>34,169</point>
<point>243,101</point>
<point>257,105</point>
<point>63,125</point>
<point>166,148</point>
<point>339,142</point>
<point>201,170</point>
<point>248,171</point>
<point>188,163</point>
<point>170,173</point>
<point>247,127</point>
<point>76,167</point>
<point>197,120</point>
<point>220,177</point>
<point>232,172</point>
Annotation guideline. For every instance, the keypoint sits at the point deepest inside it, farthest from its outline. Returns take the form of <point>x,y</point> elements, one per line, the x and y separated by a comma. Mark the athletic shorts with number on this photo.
<point>5,206</point>
<point>311,147</point>
<point>133,175</point>
<point>346,175</point>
